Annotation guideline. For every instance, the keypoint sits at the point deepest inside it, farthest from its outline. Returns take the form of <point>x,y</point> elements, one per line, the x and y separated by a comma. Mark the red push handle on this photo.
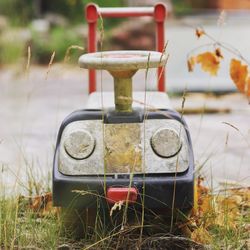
<point>158,12</point>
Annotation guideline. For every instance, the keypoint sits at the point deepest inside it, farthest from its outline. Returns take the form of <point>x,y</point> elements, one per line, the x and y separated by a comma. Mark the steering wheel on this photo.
<point>122,65</point>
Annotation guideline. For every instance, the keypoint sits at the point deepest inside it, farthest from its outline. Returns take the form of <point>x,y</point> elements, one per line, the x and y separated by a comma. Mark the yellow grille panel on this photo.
<point>122,153</point>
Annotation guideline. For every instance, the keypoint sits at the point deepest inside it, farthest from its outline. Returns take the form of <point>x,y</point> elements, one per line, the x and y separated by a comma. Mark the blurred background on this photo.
<point>48,26</point>
<point>37,95</point>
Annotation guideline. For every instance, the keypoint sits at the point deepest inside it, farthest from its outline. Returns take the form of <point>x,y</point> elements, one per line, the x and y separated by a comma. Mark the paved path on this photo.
<point>32,109</point>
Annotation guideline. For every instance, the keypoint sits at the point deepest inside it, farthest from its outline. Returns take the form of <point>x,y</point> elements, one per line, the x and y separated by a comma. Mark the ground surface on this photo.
<point>32,108</point>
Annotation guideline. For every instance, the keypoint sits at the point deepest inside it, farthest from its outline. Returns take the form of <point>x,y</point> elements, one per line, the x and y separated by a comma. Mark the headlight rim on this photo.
<point>173,154</point>
<point>70,154</point>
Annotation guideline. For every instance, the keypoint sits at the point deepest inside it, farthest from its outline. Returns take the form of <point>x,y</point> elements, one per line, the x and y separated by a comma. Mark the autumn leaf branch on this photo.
<point>210,62</point>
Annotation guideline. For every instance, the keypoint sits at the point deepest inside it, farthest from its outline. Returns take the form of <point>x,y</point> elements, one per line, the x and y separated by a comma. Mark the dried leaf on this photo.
<point>42,205</point>
<point>191,63</point>
<point>239,73</point>
<point>209,62</point>
<point>218,53</point>
<point>234,200</point>
<point>222,211</point>
<point>201,197</point>
<point>229,204</point>
<point>248,86</point>
<point>201,235</point>
<point>244,193</point>
<point>205,204</point>
<point>225,220</point>
<point>227,210</point>
<point>199,32</point>
<point>39,202</point>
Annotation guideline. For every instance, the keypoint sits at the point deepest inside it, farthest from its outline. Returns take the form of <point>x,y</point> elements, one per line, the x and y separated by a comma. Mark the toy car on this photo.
<point>125,146</point>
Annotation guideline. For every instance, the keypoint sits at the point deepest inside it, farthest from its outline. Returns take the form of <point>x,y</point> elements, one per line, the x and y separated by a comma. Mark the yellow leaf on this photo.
<point>209,62</point>
<point>201,235</point>
<point>238,73</point>
<point>191,62</point>
<point>227,209</point>
<point>248,86</point>
<point>244,193</point>
<point>206,204</point>
<point>226,219</point>
<point>202,198</point>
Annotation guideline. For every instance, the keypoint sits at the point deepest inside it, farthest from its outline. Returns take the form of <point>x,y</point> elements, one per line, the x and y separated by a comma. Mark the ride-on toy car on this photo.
<point>126,146</point>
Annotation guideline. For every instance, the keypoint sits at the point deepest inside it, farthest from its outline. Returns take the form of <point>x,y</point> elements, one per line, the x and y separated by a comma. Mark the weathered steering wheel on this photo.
<point>122,65</point>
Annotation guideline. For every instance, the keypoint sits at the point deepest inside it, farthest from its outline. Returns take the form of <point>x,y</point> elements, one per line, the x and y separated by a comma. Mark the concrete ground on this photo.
<point>32,108</point>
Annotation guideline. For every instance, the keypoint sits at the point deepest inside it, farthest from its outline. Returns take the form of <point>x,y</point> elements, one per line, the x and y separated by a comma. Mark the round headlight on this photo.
<point>79,144</point>
<point>166,142</point>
